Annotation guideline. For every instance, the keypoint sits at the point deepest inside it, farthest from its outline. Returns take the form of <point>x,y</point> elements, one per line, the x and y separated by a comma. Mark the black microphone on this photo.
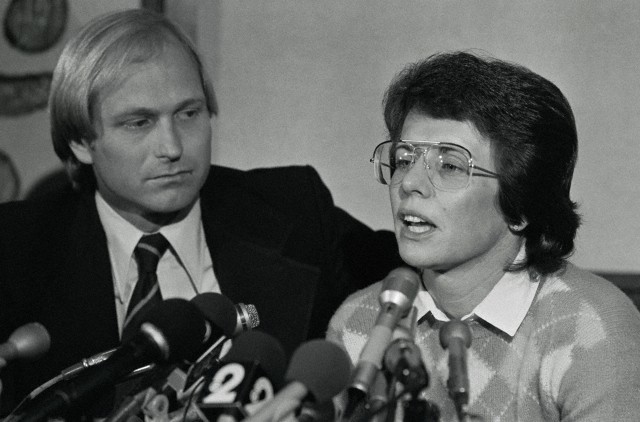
<point>403,360</point>
<point>218,310</point>
<point>248,318</point>
<point>456,337</point>
<point>399,290</point>
<point>29,342</point>
<point>245,378</point>
<point>318,371</point>
<point>169,332</point>
<point>225,320</point>
<point>232,320</point>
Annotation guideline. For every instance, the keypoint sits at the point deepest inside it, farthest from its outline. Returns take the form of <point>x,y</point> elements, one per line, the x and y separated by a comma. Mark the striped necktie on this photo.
<point>146,294</point>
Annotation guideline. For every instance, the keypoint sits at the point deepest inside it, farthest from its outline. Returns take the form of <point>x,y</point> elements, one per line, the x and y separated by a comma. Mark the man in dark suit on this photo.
<point>130,108</point>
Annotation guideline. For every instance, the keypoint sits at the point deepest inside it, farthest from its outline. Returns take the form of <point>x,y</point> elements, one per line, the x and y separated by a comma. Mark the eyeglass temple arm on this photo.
<point>488,173</point>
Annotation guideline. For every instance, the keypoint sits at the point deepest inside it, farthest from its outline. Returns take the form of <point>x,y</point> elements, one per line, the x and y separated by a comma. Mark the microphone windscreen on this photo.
<point>218,310</point>
<point>403,280</point>
<point>256,346</point>
<point>455,329</point>
<point>321,366</point>
<point>181,324</point>
<point>31,342</point>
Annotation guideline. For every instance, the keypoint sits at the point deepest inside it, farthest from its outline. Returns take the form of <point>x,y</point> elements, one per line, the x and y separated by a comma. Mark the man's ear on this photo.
<point>82,151</point>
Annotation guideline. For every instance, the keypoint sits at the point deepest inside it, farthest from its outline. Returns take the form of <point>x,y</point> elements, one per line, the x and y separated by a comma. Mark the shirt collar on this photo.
<point>185,237</point>
<point>123,237</point>
<point>504,307</point>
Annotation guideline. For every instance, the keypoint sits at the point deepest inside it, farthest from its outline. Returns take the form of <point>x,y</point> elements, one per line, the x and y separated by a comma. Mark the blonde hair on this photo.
<point>95,60</point>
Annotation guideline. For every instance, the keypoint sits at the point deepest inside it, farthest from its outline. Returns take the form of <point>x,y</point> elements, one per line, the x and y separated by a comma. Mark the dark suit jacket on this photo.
<point>276,241</point>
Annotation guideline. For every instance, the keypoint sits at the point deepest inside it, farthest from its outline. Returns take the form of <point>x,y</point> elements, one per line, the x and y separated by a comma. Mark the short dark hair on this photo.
<point>93,60</point>
<point>532,130</point>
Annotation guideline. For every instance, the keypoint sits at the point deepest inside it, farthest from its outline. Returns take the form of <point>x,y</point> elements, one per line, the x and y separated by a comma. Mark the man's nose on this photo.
<point>169,141</point>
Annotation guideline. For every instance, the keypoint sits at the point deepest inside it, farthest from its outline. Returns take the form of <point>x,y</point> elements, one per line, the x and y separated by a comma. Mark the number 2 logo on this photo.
<point>223,384</point>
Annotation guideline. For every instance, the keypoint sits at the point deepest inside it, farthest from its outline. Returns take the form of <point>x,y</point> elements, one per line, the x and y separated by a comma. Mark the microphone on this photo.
<point>244,379</point>
<point>29,342</point>
<point>225,320</point>
<point>318,371</point>
<point>231,319</point>
<point>248,318</point>
<point>317,412</point>
<point>456,337</point>
<point>403,360</point>
<point>219,311</point>
<point>381,397</point>
<point>169,332</point>
<point>399,290</point>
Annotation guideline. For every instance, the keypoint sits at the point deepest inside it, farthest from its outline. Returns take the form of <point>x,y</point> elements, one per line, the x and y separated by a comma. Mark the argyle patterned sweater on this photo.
<point>575,357</point>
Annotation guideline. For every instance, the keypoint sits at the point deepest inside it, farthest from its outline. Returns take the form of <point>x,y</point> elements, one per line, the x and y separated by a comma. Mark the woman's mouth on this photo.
<point>417,225</point>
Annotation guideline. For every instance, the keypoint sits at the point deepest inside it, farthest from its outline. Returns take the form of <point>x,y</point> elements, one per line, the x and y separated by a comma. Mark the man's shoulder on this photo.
<point>282,187</point>
<point>50,212</point>
<point>294,174</point>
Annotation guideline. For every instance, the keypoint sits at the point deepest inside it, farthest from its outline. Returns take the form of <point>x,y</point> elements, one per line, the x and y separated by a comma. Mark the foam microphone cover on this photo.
<point>219,311</point>
<point>323,367</point>
<point>256,346</point>
<point>182,326</point>
<point>30,342</point>
<point>245,378</point>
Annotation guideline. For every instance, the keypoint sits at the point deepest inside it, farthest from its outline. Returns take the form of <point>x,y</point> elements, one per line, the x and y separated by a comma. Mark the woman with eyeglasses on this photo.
<point>479,163</point>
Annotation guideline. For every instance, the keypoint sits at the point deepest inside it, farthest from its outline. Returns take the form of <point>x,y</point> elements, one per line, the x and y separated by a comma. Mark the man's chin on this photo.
<point>171,206</point>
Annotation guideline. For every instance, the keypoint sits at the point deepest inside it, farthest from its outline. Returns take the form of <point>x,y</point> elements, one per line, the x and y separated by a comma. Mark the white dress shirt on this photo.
<point>183,271</point>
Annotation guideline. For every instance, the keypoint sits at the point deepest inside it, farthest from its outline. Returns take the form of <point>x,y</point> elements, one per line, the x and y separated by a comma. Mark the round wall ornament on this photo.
<point>35,25</point>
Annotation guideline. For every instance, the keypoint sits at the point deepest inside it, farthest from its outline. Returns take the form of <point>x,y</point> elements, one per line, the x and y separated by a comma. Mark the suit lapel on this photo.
<point>86,281</point>
<point>246,238</point>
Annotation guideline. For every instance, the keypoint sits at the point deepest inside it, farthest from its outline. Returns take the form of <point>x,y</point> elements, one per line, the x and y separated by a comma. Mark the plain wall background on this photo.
<point>301,82</point>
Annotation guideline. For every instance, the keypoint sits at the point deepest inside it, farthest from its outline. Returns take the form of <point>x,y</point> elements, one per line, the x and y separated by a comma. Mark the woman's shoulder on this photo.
<point>581,297</point>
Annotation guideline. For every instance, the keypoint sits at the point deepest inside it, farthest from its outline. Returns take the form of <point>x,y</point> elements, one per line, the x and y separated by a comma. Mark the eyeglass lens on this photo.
<point>447,166</point>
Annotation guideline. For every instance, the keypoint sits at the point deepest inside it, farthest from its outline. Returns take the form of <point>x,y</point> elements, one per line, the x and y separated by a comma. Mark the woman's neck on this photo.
<point>459,290</point>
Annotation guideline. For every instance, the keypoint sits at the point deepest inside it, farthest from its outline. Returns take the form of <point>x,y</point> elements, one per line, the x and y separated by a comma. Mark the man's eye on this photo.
<point>189,113</point>
<point>136,123</point>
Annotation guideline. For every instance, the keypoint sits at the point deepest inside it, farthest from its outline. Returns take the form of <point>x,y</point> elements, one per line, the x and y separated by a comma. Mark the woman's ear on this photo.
<point>82,150</point>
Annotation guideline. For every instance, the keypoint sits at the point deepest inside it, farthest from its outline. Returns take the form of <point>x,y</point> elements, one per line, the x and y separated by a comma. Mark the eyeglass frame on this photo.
<point>377,164</point>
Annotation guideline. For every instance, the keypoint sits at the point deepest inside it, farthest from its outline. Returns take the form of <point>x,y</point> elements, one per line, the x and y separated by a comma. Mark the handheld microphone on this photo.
<point>219,311</point>
<point>381,398</point>
<point>318,371</point>
<point>248,318</point>
<point>456,337</point>
<point>399,290</point>
<point>169,332</point>
<point>30,341</point>
<point>245,378</point>
<point>236,320</point>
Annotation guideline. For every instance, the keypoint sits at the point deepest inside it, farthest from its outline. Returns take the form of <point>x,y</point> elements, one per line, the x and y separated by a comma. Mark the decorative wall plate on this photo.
<point>35,25</point>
